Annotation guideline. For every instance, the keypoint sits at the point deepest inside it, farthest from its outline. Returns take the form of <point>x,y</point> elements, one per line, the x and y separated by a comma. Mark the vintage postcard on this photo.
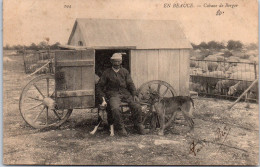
<point>130,82</point>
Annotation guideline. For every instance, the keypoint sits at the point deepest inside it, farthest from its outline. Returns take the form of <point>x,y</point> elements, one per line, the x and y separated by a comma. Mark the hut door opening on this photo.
<point>102,59</point>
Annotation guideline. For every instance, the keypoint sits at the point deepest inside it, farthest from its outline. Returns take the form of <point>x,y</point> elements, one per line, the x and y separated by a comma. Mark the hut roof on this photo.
<point>139,34</point>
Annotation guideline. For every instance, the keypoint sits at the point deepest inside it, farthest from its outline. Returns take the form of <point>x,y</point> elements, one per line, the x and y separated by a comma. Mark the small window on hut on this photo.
<point>80,43</point>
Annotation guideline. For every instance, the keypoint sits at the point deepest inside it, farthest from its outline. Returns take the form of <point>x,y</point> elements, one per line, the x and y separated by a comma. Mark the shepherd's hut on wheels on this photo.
<point>156,53</point>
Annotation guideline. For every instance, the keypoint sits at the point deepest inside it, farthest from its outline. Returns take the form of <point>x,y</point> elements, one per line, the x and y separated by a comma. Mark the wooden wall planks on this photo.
<point>170,65</point>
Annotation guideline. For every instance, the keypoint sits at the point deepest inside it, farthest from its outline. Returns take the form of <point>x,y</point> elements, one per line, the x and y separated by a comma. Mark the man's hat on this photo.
<point>116,56</point>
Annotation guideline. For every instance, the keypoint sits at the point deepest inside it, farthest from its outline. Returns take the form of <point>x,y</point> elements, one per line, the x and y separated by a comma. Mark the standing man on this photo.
<point>116,85</point>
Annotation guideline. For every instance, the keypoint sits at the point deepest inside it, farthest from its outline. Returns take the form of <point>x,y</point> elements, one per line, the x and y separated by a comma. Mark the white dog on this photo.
<point>102,117</point>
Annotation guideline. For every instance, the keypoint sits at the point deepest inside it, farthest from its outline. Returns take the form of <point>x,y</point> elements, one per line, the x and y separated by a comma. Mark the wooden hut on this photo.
<point>155,49</point>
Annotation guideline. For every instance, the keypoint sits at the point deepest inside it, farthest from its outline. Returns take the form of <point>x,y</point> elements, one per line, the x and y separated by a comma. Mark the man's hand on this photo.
<point>104,103</point>
<point>136,99</point>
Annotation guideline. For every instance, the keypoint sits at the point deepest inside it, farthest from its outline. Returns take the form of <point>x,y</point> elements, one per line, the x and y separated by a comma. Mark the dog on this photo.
<point>167,108</point>
<point>102,117</point>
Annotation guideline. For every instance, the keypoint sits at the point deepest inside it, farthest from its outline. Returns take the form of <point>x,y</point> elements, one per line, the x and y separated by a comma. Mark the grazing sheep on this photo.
<point>222,86</point>
<point>202,65</point>
<point>192,62</point>
<point>253,59</point>
<point>241,86</point>
<point>220,58</point>
<point>246,76</point>
<point>197,87</point>
<point>196,71</point>
<point>217,57</point>
<point>211,79</point>
<point>242,68</point>
<point>223,67</point>
<point>212,66</point>
<point>216,74</point>
<point>245,61</point>
<point>233,59</point>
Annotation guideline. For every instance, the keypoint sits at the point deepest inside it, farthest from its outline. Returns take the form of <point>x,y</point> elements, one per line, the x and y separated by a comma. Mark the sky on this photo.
<point>31,21</point>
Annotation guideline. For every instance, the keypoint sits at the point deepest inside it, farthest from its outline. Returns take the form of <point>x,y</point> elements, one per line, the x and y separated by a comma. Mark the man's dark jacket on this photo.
<point>112,83</point>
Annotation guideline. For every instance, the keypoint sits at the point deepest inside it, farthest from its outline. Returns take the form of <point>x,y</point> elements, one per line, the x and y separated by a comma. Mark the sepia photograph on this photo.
<point>130,82</point>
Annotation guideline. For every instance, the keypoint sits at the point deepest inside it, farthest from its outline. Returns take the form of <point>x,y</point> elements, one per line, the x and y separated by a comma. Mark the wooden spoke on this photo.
<point>38,90</point>
<point>38,114</point>
<point>158,88</point>
<point>35,106</point>
<point>47,113</point>
<point>52,94</point>
<point>56,114</point>
<point>48,85</point>
<point>164,93</point>
<point>35,116</point>
<point>34,98</point>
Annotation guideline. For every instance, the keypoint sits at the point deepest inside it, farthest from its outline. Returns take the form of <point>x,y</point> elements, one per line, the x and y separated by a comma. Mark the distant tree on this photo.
<point>55,46</point>
<point>43,45</point>
<point>203,45</point>
<point>234,45</point>
<point>18,47</point>
<point>215,45</point>
<point>252,46</point>
<point>7,47</point>
<point>194,46</point>
<point>33,46</point>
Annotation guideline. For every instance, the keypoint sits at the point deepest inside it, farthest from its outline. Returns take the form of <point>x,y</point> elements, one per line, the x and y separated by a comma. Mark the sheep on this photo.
<point>192,62</point>
<point>196,71</point>
<point>241,86</point>
<point>222,86</point>
<point>197,87</point>
<point>246,76</point>
<point>253,59</point>
<point>245,61</point>
<point>216,74</point>
<point>233,59</point>
<point>217,57</point>
<point>223,67</point>
<point>210,79</point>
<point>212,66</point>
<point>242,68</point>
<point>202,65</point>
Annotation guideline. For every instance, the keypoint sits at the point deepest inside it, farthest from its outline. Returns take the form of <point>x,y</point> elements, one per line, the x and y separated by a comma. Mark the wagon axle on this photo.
<point>49,102</point>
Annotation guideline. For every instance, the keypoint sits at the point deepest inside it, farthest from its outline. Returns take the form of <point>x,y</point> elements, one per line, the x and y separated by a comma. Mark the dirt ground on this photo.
<point>220,136</point>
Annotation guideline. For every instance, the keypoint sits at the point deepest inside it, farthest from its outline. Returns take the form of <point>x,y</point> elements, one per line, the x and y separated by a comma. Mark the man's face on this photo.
<point>116,63</point>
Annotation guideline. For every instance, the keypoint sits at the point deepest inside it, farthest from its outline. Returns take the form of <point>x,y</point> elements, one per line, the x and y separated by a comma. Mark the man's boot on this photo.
<point>122,131</point>
<point>141,130</point>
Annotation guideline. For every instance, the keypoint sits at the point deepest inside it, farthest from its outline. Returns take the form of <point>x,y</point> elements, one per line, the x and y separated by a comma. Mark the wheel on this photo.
<point>162,89</point>
<point>37,103</point>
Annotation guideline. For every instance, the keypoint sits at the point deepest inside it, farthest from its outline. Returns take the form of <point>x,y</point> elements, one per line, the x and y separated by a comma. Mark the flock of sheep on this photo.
<point>224,75</point>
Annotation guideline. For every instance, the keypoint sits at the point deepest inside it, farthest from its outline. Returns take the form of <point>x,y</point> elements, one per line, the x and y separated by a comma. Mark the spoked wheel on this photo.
<point>162,89</point>
<point>37,104</point>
